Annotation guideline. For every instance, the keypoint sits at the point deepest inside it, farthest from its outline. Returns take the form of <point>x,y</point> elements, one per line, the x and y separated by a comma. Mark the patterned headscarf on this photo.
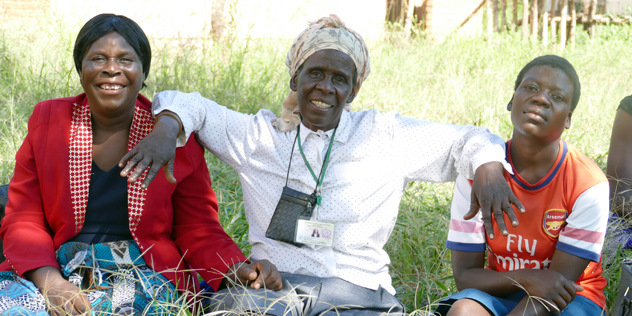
<point>326,33</point>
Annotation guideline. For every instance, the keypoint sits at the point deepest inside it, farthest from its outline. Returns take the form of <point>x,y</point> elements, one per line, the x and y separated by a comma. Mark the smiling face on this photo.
<point>323,85</point>
<point>111,75</point>
<point>541,104</point>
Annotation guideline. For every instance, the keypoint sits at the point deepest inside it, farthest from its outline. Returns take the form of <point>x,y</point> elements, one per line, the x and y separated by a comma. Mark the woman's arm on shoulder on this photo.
<point>437,152</point>
<point>220,130</point>
<point>619,167</point>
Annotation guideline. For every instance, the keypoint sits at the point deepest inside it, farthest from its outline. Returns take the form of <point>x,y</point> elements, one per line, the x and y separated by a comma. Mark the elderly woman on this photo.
<point>321,167</point>
<point>77,236</point>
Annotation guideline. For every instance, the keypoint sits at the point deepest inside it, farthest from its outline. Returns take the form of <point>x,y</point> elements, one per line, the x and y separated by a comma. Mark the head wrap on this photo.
<point>326,33</point>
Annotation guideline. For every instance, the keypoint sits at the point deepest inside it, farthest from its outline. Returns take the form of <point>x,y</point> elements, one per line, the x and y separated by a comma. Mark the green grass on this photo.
<point>461,81</point>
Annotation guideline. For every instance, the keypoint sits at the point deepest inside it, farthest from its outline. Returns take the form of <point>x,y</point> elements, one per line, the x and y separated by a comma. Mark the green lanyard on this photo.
<point>318,180</point>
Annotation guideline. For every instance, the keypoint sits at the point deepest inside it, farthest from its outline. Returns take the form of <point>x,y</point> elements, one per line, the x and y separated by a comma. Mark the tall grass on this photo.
<point>461,81</point>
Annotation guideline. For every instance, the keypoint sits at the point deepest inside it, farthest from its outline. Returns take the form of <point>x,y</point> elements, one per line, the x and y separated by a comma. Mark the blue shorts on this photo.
<point>498,306</point>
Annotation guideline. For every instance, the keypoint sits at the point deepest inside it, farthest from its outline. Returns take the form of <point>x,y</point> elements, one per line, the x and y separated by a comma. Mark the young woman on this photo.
<point>554,254</point>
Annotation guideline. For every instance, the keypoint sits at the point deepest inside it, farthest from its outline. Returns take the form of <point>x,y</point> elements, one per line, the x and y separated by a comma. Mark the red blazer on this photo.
<point>169,222</point>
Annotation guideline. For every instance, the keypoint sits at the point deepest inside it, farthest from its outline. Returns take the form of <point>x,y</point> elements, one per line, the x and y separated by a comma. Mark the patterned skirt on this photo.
<point>115,279</point>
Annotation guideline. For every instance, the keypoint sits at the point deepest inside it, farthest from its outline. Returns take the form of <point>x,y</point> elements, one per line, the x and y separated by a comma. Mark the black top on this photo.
<point>106,213</point>
<point>626,104</point>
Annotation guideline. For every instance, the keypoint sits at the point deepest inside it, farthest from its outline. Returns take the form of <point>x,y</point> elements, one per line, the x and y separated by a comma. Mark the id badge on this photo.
<point>314,233</point>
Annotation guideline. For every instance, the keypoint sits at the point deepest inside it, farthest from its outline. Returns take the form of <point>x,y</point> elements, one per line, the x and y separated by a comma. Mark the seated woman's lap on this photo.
<point>498,306</point>
<point>305,295</point>
<point>114,276</point>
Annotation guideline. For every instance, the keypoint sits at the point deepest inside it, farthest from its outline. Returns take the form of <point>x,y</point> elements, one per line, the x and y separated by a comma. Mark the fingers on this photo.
<point>487,209</point>
<point>168,172</point>
<point>140,168</point>
<point>263,272</point>
<point>268,276</point>
<point>474,208</point>
<point>560,302</point>
<point>81,303</point>
<point>246,274</point>
<point>131,164</point>
<point>508,209</point>
<point>514,200</point>
<point>578,288</point>
<point>568,291</point>
<point>273,280</point>
<point>151,174</point>
<point>126,158</point>
<point>500,219</point>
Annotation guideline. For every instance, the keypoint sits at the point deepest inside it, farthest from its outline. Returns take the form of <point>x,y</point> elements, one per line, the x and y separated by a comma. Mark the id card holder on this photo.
<point>314,233</point>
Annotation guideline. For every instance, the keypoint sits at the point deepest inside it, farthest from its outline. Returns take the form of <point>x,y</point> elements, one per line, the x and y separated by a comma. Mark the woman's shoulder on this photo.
<point>584,168</point>
<point>60,103</point>
<point>54,109</point>
<point>68,101</point>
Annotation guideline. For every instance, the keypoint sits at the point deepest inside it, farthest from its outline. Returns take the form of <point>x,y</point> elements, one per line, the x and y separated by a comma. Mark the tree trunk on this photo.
<point>515,14</point>
<point>553,26</point>
<point>573,22</point>
<point>545,27</point>
<point>504,14</point>
<point>489,13</point>
<point>409,18</point>
<point>593,11</point>
<point>564,9</point>
<point>429,19</point>
<point>525,19</point>
<point>496,25</point>
<point>218,23</point>
<point>534,20</point>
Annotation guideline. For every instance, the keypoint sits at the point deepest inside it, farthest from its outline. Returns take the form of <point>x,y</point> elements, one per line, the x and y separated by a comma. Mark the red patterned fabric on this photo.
<point>175,225</point>
<point>80,161</point>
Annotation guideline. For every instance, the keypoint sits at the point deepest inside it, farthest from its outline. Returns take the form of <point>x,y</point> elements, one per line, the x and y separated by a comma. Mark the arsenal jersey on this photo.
<point>566,210</point>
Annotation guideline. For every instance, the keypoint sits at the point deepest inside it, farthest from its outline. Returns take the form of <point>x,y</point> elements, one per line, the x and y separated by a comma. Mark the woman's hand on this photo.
<point>549,285</point>
<point>156,150</point>
<point>258,274</point>
<point>491,193</point>
<point>62,297</point>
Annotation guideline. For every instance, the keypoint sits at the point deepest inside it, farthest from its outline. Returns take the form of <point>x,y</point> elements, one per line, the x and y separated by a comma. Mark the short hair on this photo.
<point>556,62</point>
<point>103,24</point>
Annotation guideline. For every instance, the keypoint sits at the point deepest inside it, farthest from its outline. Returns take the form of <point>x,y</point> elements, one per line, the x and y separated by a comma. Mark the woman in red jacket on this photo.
<point>79,237</point>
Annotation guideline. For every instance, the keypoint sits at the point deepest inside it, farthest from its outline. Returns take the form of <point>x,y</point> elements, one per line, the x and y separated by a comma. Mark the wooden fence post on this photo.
<point>534,20</point>
<point>553,14</point>
<point>573,22</point>
<point>525,19</point>
<point>489,13</point>
<point>515,14</point>
<point>563,24</point>
<point>593,11</point>
<point>496,24</point>
<point>504,13</point>
<point>545,27</point>
<point>429,23</point>
<point>409,18</point>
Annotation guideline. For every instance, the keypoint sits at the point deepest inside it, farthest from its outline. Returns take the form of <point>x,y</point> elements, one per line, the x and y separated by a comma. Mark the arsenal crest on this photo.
<point>554,220</point>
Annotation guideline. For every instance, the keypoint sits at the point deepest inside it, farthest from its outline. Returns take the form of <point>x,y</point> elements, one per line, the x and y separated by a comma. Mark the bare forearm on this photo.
<point>41,276</point>
<point>500,284</point>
